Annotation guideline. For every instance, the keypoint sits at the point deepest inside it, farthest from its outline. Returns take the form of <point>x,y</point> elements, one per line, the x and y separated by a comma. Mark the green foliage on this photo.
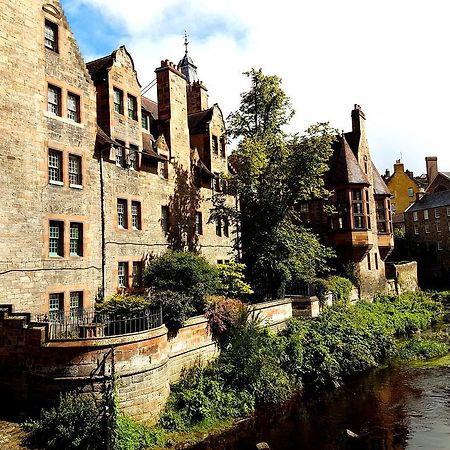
<point>263,110</point>
<point>176,307</point>
<point>123,304</point>
<point>339,287</point>
<point>186,273</point>
<point>75,423</point>
<point>232,280</point>
<point>421,348</point>
<point>274,173</point>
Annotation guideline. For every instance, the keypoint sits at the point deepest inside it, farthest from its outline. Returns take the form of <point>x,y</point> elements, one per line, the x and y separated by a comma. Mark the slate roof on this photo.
<point>150,106</point>
<point>103,138</point>
<point>198,121</point>
<point>446,174</point>
<point>147,145</point>
<point>434,200</point>
<point>379,186</point>
<point>344,167</point>
<point>98,67</point>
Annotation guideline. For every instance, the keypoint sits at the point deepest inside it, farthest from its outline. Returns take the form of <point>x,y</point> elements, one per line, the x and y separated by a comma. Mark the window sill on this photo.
<point>65,120</point>
<point>56,183</point>
<point>73,255</point>
<point>76,186</point>
<point>56,256</point>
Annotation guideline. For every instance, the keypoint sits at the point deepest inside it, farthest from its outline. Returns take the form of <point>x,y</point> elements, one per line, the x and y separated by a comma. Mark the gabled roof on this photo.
<point>434,200</point>
<point>344,167</point>
<point>99,66</point>
<point>150,106</point>
<point>147,147</point>
<point>379,186</point>
<point>446,174</point>
<point>198,121</point>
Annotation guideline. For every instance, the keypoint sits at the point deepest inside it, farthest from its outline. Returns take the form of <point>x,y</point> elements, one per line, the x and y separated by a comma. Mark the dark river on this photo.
<point>389,409</point>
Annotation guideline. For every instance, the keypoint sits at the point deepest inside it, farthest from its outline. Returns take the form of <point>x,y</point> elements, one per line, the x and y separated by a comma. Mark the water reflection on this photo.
<point>390,409</point>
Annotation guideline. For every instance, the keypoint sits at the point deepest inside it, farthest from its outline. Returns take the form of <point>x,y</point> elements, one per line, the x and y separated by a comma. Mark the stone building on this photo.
<point>437,181</point>
<point>360,229</point>
<point>427,224</point>
<point>96,178</point>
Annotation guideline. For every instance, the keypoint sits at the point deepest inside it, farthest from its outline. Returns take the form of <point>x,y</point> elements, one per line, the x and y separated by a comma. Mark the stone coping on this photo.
<point>270,303</point>
<point>107,341</point>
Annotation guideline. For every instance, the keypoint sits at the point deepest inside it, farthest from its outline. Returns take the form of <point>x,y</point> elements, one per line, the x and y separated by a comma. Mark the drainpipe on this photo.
<point>103,222</point>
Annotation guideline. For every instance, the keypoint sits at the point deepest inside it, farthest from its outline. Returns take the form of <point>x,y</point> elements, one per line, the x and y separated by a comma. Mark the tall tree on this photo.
<point>275,171</point>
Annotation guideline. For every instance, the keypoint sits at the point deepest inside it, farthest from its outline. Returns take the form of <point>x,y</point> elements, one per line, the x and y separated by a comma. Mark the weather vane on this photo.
<point>186,42</point>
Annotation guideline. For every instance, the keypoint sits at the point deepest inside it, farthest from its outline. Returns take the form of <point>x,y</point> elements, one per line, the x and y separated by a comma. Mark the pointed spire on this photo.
<point>186,65</point>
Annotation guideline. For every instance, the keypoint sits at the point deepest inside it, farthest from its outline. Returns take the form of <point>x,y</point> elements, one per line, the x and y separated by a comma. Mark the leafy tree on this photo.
<point>274,172</point>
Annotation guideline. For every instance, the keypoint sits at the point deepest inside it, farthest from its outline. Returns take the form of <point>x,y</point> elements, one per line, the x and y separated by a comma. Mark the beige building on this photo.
<point>96,178</point>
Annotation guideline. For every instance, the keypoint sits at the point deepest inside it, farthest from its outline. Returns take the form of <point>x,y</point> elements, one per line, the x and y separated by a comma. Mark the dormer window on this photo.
<point>51,36</point>
<point>144,121</point>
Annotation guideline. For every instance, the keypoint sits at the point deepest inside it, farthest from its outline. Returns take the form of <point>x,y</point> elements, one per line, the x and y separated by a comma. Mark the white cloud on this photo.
<point>387,56</point>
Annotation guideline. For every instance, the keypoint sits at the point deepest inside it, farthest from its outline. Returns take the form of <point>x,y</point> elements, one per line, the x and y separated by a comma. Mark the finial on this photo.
<point>186,42</point>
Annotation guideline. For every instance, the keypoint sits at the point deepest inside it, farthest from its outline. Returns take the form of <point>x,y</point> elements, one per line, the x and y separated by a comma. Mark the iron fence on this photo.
<point>87,323</point>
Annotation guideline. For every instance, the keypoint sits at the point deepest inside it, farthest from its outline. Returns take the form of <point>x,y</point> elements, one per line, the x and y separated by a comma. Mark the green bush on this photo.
<point>176,307</point>
<point>232,280</point>
<point>123,304</point>
<point>339,287</point>
<point>75,423</point>
<point>186,273</point>
<point>421,348</point>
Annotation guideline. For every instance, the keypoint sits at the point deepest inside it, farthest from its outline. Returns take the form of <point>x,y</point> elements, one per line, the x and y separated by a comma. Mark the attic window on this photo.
<point>410,192</point>
<point>51,36</point>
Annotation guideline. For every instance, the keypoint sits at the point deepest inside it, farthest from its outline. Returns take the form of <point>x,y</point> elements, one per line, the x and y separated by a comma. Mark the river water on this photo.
<point>389,409</point>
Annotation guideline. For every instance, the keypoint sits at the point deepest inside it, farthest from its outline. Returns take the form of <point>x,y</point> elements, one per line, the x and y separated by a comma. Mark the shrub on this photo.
<point>176,307</point>
<point>123,304</point>
<point>421,348</point>
<point>222,314</point>
<point>339,287</point>
<point>232,280</point>
<point>186,273</point>
<point>75,423</point>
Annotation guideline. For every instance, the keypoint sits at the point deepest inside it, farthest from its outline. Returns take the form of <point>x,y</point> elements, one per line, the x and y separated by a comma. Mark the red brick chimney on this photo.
<point>358,121</point>
<point>432,168</point>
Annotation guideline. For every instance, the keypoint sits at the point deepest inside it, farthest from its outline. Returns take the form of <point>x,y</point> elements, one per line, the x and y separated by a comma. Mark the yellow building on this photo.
<point>403,188</point>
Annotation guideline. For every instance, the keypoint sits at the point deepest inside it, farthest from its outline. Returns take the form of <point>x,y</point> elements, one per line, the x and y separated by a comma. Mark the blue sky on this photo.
<point>388,56</point>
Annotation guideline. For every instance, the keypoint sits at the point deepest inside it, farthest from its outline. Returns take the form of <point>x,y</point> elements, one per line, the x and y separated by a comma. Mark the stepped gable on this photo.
<point>344,167</point>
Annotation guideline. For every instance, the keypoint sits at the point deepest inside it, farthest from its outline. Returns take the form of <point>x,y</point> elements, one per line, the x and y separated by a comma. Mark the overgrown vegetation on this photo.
<point>339,287</point>
<point>419,348</point>
<point>123,304</point>
<point>257,367</point>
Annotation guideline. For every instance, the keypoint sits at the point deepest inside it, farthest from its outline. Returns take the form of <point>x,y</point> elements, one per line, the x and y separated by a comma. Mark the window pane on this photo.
<point>54,166</point>
<point>55,240</point>
<point>51,36</point>
<point>123,274</point>
<point>137,274</point>
<point>75,170</point>
<point>73,107</point>
<point>122,213</point>
<point>136,215</point>
<point>53,100</point>
<point>76,231</point>
<point>118,96</point>
<point>56,306</point>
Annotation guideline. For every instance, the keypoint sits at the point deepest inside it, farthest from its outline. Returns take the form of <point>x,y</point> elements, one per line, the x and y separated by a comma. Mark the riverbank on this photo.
<point>257,367</point>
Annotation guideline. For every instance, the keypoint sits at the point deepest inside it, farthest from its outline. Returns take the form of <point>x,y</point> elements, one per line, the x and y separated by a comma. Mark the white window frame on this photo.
<point>427,228</point>
<point>75,174</point>
<point>122,221</point>
<point>410,192</point>
<point>55,167</point>
<point>53,100</point>
<point>437,213</point>
<point>136,215</point>
<point>51,36</point>
<point>416,229</point>
<point>56,305</point>
<point>76,239</point>
<point>122,274</point>
<point>73,107</point>
<point>425,214</point>
<point>415,216</point>
<point>56,238</point>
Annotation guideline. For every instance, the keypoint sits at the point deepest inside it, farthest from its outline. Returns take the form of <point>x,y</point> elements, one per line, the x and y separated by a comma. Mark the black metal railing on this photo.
<point>87,323</point>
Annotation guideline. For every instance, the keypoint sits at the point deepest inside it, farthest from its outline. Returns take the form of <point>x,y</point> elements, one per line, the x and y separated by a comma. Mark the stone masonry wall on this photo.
<point>34,370</point>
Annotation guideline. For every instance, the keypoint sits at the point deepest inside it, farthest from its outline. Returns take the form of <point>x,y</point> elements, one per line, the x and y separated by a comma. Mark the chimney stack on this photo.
<point>432,168</point>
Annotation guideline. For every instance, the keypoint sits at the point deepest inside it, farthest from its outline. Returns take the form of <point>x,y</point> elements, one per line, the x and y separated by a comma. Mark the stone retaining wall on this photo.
<point>34,370</point>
